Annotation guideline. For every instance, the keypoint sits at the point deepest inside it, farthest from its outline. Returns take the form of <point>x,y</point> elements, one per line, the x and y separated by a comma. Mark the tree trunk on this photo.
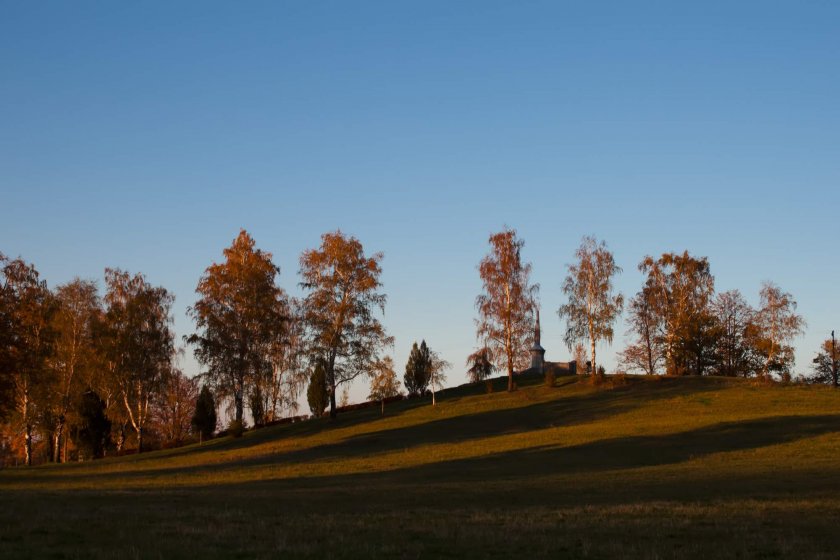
<point>382,402</point>
<point>27,436</point>
<point>595,376</point>
<point>510,376</point>
<point>59,429</point>
<point>239,403</point>
<point>139,440</point>
<point>121,438</point>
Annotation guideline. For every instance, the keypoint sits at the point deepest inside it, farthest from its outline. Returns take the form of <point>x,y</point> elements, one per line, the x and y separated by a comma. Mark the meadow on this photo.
<point>635,467</point>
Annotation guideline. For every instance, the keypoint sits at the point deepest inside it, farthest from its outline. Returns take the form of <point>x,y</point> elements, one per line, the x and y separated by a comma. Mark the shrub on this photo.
<point>236,428</point>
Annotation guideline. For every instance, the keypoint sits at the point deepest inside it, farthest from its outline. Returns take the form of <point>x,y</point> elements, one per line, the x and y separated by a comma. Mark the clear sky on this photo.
<point>143,135</point>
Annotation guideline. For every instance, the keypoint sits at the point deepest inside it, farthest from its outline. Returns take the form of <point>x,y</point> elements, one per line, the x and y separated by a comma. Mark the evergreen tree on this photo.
<point>204,418</point>
<point>418,370</point>
<point>317,394</point>
<point>93,433</point>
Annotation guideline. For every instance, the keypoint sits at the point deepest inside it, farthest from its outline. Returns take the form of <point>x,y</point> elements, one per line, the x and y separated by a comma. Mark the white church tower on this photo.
<point>537,351</point>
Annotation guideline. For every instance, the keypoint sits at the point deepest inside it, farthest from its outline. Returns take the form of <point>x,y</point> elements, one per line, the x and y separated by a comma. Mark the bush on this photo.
<point>236,428</point>
<point>316,394</point>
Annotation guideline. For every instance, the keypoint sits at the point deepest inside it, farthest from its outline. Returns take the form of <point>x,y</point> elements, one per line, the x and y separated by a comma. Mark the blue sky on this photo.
<point>144,135</point>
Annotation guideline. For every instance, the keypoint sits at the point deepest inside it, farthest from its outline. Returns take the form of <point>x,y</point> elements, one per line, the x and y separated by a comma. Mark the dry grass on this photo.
<point>651,468</point>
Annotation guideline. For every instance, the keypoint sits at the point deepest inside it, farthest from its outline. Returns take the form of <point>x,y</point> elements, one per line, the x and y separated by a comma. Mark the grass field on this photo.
<point>650,468</point>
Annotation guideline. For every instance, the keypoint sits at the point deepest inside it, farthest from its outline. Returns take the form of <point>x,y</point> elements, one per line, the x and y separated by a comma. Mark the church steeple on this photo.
<point>537,351</point>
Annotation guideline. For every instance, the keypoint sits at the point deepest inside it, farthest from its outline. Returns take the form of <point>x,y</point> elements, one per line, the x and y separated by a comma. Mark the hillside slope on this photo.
<point>647,468</point>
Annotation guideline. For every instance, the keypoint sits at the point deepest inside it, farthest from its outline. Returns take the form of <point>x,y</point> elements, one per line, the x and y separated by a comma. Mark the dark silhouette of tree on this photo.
<point>204,418</point>
<point>480,365</point>
<point>827,362</point>
<point>317,394</point>
<point>418,370</point>
<point>93,431</point>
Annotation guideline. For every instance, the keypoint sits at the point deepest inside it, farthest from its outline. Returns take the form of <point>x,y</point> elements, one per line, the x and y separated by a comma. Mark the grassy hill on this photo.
<point>652,468</point>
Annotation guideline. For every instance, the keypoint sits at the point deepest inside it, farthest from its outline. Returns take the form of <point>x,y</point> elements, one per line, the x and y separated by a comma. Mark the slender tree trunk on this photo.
<point>27,436</point>
<point>382,402</point>
<point>59,429</point>
<point>595,376</point>
<point>510,375</point>
<point>139,439</point>
<point>331,374</point>
<point>333,411</point>
<point>121,438</point>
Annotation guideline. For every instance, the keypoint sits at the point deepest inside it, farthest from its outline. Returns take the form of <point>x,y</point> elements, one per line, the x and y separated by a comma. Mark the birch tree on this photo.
<point>140,344</point>
<point>343,295</point>
<point>28,312</point>
<point>507,303</point>
<point>79,307</point>
<point>592,307</point>
<point>735,318</point>
<point>384,383</point>
<point>780,324</point>
<point>241,316</point>
<point>679,288</point>
<point>645,353</point>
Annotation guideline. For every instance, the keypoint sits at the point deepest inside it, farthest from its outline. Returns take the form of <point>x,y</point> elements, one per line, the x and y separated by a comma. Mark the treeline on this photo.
<point>678,323</point>
<point>84,373</point>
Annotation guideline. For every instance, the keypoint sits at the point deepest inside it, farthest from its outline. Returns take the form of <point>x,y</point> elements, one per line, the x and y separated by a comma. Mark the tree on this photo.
<point>645,354</point>
<point>343,293</point>
<point>735,318</point>
<point>139,343</point>
<point>592,308</point>
<point>437,375</point>
<point>78,308</point>
<point>203,421</point>
<point>779,324</point>
<point>29,308</point>
<point>480,365</point>
<point>582,365</point>
<point>506,306</point>
<point>827,362</point>
<point>317,394</point>
<point>241,316</point>
<point>281,383</point>
<point>175,406</point>
<point>678,289</point>
<point>93,429</point>
<point>418,370</point>
<point>384,384</point>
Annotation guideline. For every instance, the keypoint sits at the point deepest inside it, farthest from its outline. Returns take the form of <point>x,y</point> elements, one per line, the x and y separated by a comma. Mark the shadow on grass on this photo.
<point>565,411</point>
<point>519,478</point>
